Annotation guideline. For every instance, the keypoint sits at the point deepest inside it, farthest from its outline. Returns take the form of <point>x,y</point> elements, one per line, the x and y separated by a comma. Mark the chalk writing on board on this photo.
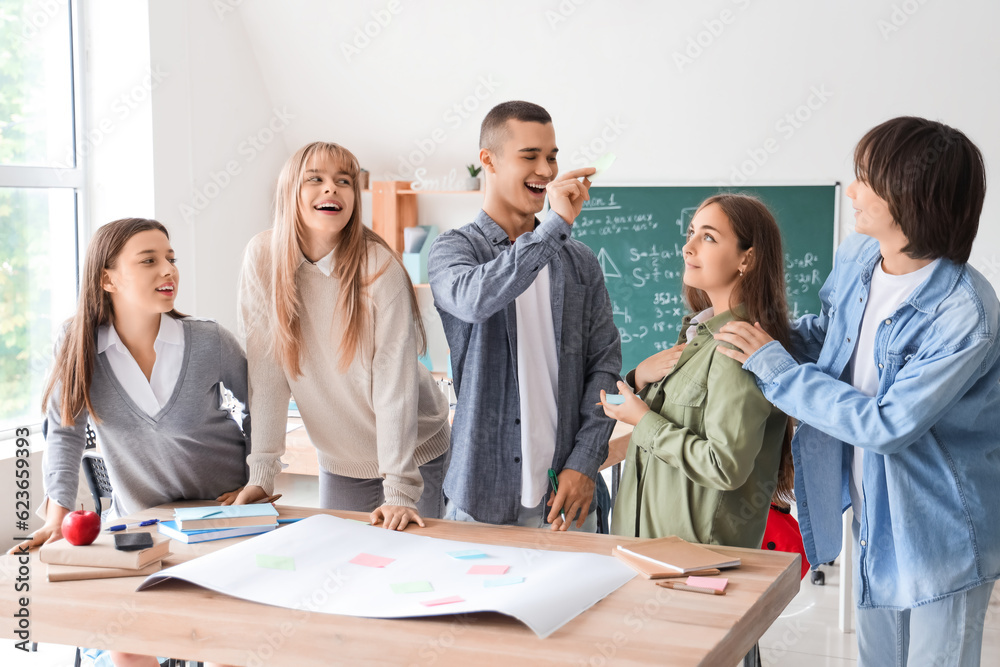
<point>684,219</point>
<point>638,233</point>
<point>608,266</point>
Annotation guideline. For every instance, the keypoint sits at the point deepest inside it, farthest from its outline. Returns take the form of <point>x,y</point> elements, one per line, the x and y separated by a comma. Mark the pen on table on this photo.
<point>554,483</point>
<point>693,589</point>
<point>125,526</point>
<point>269,499</point>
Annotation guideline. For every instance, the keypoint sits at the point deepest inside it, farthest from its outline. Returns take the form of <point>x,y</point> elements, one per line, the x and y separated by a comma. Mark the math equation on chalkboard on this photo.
<point>638,234</point>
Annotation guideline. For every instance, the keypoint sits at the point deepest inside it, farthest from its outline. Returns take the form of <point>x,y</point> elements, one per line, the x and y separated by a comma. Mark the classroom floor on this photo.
<point>805,635</point>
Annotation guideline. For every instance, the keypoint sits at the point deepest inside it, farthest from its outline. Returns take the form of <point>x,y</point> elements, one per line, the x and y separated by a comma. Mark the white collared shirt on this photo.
<point>325,263</point>
<point>703,316</point>
<point>153,394</point>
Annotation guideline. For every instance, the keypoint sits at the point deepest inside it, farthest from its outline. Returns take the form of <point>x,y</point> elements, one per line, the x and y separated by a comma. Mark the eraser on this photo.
<point>614,399</point>
<point>133,541</point>
<point>602,165</point>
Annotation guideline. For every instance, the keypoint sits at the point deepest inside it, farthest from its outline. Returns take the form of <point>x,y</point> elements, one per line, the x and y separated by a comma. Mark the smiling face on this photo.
<point>713,258</point>
<point>143,278</point>
<point>523,165</point>
<point>326,198</point>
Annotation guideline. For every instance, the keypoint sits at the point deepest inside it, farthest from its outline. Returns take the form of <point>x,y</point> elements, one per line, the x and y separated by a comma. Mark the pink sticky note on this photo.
<point>715,583</point>
<point>488,569</point>
<point>433,603</point>
<point>369,560</point>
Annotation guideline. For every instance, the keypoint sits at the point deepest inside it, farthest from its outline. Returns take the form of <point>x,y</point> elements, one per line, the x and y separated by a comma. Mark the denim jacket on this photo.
<point>476,274</point>
<point>931,435</point>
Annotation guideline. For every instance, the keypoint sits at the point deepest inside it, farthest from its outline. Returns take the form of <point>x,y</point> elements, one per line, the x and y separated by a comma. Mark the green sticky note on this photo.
<point>275,562</point>
<point>602,165</point>
<point>412,587</point>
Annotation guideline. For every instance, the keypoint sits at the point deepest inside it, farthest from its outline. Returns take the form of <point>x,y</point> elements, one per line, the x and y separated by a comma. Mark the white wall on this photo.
<point>414,92</point>
<point>117,143</point>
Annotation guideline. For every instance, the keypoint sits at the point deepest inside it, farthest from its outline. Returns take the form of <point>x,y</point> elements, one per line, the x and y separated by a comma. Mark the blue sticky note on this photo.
<point>468,554</point>
<point>614,399</point>
<point>503,581</point>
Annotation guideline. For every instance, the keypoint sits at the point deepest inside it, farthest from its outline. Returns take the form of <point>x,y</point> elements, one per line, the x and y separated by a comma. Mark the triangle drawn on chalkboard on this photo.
<point>608,266</point>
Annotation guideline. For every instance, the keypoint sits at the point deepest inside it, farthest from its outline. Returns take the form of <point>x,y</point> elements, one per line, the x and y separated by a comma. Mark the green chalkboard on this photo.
<point>637,234</point>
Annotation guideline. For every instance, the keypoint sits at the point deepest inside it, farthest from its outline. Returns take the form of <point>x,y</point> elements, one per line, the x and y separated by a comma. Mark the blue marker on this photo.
<point>125,526</point>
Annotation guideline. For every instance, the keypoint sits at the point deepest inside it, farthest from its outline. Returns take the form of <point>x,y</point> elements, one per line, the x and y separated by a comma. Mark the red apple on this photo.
<point>81,527</point>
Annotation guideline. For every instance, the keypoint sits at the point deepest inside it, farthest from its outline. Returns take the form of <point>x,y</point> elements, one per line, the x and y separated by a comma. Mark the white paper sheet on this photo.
<point>557,585</point>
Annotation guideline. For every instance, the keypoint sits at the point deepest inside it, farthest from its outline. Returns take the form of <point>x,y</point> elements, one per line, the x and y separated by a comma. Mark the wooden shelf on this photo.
<point>393,209</point>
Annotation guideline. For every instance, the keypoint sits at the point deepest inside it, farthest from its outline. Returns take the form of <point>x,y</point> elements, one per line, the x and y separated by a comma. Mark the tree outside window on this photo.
<point>39,182</point>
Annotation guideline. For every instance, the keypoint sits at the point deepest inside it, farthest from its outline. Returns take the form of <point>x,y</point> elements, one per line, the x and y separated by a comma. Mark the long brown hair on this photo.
<point>761,293</point>
<point>74,366</point>
<point>350,262</point>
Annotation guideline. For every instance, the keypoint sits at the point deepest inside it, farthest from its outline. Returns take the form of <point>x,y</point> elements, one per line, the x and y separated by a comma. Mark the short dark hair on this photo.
<point>494,127</point>
<point>934,180</point>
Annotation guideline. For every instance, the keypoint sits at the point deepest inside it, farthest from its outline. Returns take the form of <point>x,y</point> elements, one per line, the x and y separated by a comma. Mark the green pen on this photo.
<point>554,483</point>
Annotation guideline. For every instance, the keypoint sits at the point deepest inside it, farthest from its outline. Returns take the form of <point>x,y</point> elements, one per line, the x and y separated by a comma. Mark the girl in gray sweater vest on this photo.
<point>147,378</point>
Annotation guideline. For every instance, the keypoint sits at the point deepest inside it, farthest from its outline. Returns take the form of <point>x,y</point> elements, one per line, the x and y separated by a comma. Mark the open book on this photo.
<point>676,555</point>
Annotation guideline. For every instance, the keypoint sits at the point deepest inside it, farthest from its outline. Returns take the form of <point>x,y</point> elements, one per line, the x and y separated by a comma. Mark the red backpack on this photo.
<point>782,534</point>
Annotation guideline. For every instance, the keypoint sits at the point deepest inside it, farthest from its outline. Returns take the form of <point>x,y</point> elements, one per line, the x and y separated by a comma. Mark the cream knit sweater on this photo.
<point>382,418</point>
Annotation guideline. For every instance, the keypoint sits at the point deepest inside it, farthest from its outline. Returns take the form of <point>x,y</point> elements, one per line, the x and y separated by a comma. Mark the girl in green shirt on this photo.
<point>709,452</point>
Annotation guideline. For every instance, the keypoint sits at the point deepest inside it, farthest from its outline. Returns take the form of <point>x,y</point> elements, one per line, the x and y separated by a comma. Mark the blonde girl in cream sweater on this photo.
<point>330,316</point>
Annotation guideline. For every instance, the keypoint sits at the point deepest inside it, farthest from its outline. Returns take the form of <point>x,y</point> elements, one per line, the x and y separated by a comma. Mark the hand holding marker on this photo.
<point>554,483</point>
<point>612,399</point>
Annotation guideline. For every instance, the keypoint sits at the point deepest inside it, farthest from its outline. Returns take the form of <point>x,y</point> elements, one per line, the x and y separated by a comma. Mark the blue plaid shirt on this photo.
<point>476,274</point>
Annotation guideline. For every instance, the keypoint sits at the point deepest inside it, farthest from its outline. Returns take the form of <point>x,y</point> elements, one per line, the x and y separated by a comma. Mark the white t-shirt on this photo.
<point>150,395</point>
<point>886,295</point>
<point>538,383</point>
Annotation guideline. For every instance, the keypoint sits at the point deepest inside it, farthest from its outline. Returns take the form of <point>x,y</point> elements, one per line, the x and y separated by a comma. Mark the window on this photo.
<point>41,183</point>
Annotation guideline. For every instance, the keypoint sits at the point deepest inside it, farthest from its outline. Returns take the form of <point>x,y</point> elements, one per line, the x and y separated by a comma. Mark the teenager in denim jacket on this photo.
<point>896,383</point>
<point>703,461</point>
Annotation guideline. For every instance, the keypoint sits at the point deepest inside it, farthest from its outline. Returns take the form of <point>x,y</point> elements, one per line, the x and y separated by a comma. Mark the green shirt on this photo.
<point>702,464</point>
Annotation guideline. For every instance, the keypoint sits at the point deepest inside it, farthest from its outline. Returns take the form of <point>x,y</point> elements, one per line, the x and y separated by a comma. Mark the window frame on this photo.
<point>75,178</point>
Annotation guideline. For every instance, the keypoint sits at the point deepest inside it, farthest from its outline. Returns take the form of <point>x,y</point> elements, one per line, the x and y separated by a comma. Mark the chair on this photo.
<point>100,486</point>
<point>97,477</point>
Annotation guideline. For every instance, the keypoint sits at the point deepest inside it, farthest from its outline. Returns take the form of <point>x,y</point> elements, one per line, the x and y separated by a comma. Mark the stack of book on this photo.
<point>667,557</point>
<point>100,560</point>
<point>219,522</point>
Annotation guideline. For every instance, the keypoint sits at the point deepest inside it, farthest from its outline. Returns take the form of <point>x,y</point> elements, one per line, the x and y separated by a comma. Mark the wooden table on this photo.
<point>639,624</point>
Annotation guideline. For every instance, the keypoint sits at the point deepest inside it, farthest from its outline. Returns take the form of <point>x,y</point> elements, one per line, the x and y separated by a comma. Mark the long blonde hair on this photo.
<point>350,262</point>
<point>74,365</point>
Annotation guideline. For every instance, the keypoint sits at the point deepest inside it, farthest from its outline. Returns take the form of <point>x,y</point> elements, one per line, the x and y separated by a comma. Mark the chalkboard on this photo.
<point>637,234</point>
